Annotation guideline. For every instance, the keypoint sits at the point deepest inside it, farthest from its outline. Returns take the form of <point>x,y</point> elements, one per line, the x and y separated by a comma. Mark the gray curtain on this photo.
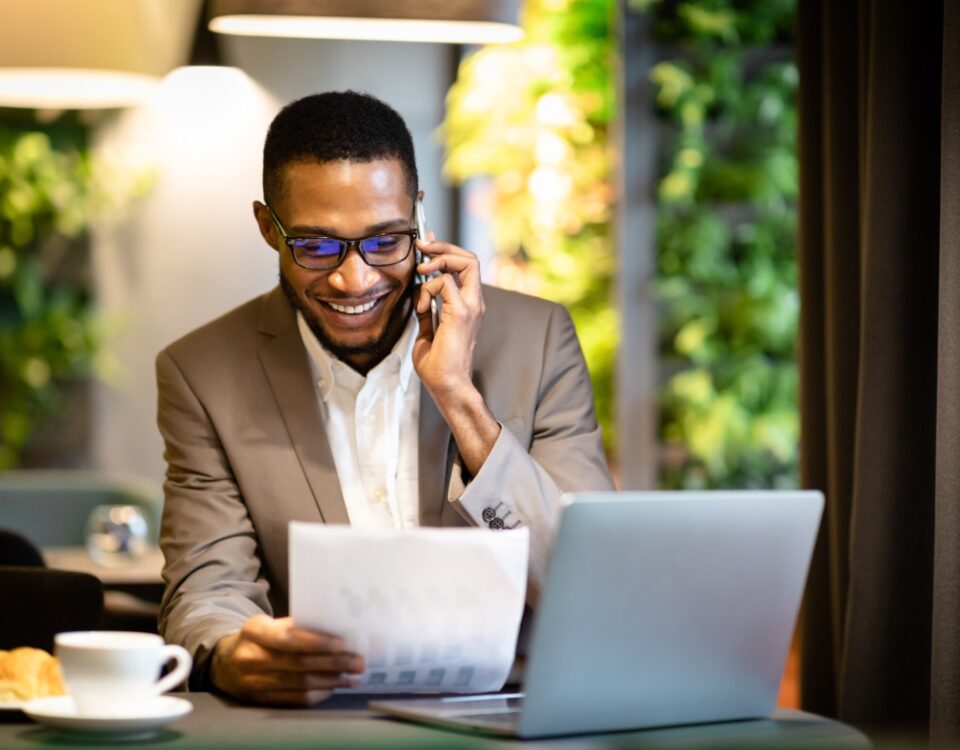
<point>879,253</point>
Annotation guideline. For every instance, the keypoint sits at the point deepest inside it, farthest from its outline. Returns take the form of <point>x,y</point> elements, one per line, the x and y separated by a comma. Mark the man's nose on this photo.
<point>353,276</point>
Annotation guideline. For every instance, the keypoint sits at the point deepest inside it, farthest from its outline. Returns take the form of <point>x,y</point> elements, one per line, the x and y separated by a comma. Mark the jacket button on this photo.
<point>489,514</point>
<point>496,524</point>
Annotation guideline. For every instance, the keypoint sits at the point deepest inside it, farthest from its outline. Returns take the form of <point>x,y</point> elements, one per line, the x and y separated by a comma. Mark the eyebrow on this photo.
<point>372,229</point>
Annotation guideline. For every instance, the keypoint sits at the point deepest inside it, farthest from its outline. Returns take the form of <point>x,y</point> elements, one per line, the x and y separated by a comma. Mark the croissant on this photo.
<point>27,673</point>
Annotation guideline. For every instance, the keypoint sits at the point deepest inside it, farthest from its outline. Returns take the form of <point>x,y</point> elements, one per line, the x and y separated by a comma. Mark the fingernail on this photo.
<point>336,644</point>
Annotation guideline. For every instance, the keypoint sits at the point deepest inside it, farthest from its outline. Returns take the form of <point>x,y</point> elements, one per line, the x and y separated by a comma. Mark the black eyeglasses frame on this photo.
<point>346,244</point>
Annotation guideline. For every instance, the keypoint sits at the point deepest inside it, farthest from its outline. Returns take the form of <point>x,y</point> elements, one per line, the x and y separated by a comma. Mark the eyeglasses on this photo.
<point>320,253</point>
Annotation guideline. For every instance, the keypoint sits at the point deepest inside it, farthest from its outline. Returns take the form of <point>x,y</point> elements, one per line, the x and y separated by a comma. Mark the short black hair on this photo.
<point>332,126</point>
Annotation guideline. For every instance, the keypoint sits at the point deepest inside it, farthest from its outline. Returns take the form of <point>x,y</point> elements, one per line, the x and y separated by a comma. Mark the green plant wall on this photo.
<point>726,275</point>
<point>48,331</point>
<point>535,116</point>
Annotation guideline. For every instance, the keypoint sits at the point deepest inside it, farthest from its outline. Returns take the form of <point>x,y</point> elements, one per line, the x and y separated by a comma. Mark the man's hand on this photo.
<point>444,358</point>
<point>271,661</point>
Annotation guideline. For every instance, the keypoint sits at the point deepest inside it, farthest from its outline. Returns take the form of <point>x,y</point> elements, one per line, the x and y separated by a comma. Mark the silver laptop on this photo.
<point>659,609</point>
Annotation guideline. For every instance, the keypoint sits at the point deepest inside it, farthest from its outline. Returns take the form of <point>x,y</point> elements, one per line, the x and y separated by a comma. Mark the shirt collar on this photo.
<point>326,365</point>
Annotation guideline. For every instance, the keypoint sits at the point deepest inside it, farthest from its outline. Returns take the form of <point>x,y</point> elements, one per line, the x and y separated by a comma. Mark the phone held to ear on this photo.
<point>421,258</point>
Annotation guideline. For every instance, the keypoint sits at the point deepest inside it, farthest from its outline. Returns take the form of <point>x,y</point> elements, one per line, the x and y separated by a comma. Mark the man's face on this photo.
<point>350,200</point>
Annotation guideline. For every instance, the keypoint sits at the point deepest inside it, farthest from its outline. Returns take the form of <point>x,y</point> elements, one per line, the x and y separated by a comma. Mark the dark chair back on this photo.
<point>16,549</point>
<point>39,603</point>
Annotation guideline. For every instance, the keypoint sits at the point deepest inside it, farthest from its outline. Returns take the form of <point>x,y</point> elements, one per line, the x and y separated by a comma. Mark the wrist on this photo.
<point>474,428</point>
<point>459,400</point>
<point>219,662</point>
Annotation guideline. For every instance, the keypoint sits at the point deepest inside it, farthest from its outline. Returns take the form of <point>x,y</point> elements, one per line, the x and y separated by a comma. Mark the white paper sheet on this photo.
<point>431,610</point>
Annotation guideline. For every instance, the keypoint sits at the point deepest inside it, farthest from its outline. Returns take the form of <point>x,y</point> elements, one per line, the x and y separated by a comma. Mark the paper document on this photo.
<point>431,610</point>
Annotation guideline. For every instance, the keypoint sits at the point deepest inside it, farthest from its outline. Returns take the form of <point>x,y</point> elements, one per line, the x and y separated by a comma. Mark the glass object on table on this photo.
<point>117,535</point>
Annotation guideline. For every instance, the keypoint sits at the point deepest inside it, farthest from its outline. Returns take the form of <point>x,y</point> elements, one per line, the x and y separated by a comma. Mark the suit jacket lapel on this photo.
<point>284,361</point>
<point>434,460</point>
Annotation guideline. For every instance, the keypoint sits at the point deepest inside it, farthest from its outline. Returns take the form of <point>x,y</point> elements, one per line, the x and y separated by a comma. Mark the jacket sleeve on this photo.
<point>521,483</point>
<point>212,572</point>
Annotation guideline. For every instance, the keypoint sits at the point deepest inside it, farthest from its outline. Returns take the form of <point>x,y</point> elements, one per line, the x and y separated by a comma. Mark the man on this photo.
<point>332,399</point>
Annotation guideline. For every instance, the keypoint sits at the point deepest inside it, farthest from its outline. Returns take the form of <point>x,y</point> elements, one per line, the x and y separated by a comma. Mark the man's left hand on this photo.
<point>444,358</point>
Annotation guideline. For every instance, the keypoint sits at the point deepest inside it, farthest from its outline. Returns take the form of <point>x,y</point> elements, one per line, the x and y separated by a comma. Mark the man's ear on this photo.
<point>265,223</point>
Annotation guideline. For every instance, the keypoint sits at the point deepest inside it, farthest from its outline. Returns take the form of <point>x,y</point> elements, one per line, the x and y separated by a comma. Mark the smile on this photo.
<point>354,310</point>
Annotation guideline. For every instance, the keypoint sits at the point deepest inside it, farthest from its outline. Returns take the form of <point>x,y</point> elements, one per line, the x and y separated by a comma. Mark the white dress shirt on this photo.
<point>372,426</point>
<point>365,418</point>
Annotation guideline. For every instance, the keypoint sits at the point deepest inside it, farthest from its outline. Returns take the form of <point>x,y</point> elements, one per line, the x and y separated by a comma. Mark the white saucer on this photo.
<point>60,712</point>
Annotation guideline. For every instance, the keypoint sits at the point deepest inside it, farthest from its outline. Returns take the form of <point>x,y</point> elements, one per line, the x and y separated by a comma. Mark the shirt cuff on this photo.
<point>481,500</point>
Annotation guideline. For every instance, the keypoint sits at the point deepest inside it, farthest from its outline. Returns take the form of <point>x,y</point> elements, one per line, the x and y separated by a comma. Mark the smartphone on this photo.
<point>421,258</point>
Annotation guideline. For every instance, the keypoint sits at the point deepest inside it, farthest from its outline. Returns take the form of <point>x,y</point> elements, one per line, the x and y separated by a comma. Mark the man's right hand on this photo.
<point>271,661</point>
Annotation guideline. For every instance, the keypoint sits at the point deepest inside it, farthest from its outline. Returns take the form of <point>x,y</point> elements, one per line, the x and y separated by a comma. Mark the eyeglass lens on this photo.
<point>325,252</point>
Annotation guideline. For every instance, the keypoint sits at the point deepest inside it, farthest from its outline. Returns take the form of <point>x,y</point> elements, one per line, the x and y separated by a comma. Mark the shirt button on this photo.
<point>379,494</point>
<point>322,383</point>
<point>496,524</point>
<point>369,419</point>
<point>489,514</point>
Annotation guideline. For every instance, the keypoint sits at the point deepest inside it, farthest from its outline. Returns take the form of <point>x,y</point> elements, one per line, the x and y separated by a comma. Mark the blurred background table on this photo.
<point>51,512</point>
<point>142,572</point>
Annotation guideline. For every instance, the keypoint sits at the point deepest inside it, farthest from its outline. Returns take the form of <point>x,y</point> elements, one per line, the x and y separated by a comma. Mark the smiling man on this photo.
<point>332,399</point>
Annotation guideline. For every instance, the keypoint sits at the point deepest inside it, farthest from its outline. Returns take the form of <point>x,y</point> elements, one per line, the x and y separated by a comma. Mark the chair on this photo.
<point>16,549</point>
<point>38,603</point>
<point>51,508</point>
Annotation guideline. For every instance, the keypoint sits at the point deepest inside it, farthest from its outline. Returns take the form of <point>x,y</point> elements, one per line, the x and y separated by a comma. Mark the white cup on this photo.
<point>111,673</point>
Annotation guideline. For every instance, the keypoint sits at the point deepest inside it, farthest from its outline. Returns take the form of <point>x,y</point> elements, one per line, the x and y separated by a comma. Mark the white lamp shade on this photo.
<point>453,21</point>
<point>96,53</point>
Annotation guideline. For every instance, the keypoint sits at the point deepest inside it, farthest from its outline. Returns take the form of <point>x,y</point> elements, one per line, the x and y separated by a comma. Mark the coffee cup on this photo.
<point>112,673</point>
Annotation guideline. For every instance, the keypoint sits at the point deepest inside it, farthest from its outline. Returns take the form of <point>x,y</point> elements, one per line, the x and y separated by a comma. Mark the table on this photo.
<point>144,571</point>
<point>345,722</point>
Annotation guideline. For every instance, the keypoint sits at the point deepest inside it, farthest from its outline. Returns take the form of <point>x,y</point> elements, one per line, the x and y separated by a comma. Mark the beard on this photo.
<point>378,345</point>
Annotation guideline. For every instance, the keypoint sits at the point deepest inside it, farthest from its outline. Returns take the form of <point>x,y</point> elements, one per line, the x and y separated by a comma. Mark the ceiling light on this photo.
<point>463,22</point>
<point>74,88</point>
<point>63,54</point>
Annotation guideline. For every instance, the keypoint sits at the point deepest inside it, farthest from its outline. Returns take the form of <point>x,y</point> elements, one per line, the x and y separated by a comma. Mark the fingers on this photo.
<point>254,658</point>
<point>425,320</point>
<point>273,662</point>
<point>443,287</point>
<point>448,258</point>
<point>344,663</point>
<point>282,635</point>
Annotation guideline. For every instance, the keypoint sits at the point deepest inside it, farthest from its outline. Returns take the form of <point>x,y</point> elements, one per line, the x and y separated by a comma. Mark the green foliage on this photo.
<point>48,334</point>
<point>726,266</point>
<point>534,116</point>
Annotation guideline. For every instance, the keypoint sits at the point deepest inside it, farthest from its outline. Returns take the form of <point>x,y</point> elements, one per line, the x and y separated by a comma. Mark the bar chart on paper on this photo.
<point>431,610</point>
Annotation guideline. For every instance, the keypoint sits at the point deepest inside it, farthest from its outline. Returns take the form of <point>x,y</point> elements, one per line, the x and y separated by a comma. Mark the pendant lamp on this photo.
<point>90,54</point>
<point>444,21</point>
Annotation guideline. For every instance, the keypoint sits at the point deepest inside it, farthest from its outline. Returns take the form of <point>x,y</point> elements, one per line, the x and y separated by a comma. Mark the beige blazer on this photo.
<point>247,452</point>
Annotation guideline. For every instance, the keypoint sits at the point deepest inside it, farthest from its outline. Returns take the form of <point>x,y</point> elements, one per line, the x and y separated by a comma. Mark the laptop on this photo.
<point>659,609</point>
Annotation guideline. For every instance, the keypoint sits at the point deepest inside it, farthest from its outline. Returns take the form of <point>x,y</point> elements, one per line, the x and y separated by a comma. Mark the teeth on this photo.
<point>353,310</point>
